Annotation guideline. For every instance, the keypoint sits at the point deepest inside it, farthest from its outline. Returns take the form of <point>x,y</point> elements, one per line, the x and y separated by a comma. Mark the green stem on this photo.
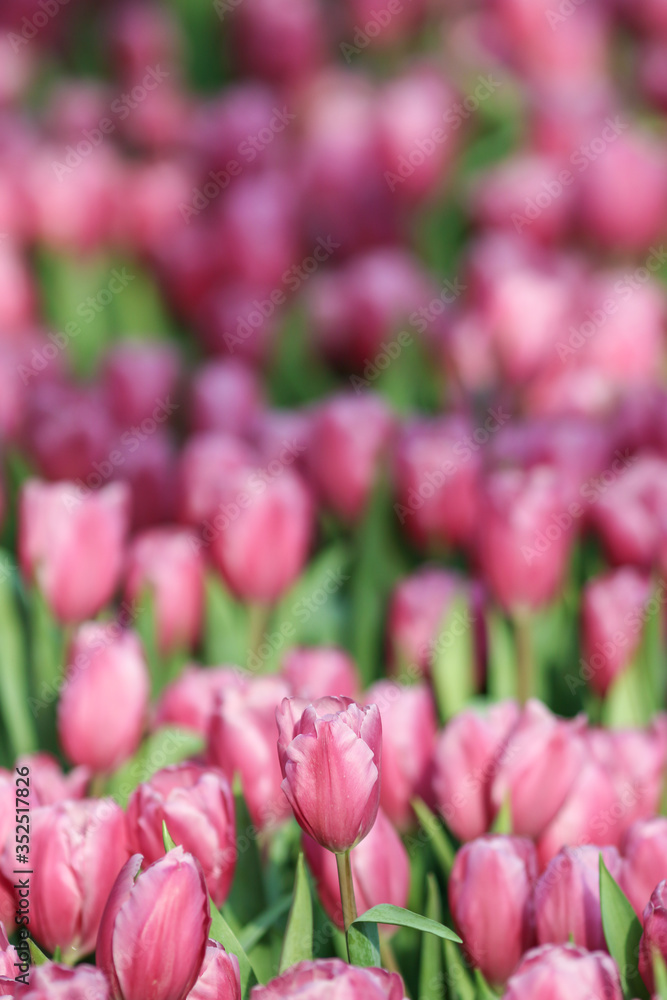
<point>346,889</point>
<point>524,657</point>
<point>258,616</point>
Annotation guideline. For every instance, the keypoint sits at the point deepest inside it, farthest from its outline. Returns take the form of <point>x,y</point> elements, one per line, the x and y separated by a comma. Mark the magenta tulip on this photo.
<point>72,547</point>
<point>219,977</point>
<point>104,699</point>
<point>644,860</point>
<point>317,671</point>
<point>612,623</point>
<point>226,396</point>
<point>154,929</point>
<point>629,515</point>
<point>654,938</point>
<point>330,755</point>
<point>329,979</point>
<point>139,378</point>
<point>206,462</point>
<point>564,972</point>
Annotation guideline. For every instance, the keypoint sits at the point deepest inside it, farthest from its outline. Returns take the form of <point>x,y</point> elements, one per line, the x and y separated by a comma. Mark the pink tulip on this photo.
<point>17,291</point>
<point>58,982</point>
<point>644,860</point>
<point>278,43</point>
<point>166,564</point>
<point>189,701</point>
<point>198,807</point>
<point>276,430</point>
<point>490,897</point>
<point>219,977</point>
<point>228,321</point>
<point>348,438</point>
<point>138,378</point>
<point>73,548</point>
<point>150,472</point>
<point>328,979</point>
<point>104,699</point>
<point>380,871</point>
<point>243,740</point>
<point>654,938</point>
<point>77,849</point>
<point>154,929</point>
<point>48,783</point>
<point>567,897</point>
<point>207,460</point>
<point>409,729</point>
<point>226,396</point>
<point>330,755</point>
<point>468,754</point>
<point>317,671</point>
<point>564,972</point>
<point>142,34</point>
<point>629,513</point>
<point>591,813</point>
<point>9,960</point>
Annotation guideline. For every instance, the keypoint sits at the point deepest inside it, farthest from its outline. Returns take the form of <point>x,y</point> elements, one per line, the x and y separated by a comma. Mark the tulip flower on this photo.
<point>567,897</point>
<point>417,614</point>
<point>316,671</point>
<point>644,860</point>
<point>328,979</point>
<point>48,783</point>
<point>654,938</point>
<point>104,699</point>
<point>206,461</point>
<point>58,982</point>
<point>330,755</point>
<point>591,813</point>
<point>226,396</point>
<point>166,563</point>
<point>154,930</point>
<point>150,473</point>
<point>8,958</point>
<point>628,516</point>
<point>139,376</point>
<point>219,977</point>
<point>198,807</point>
<point>564,972</point>
<point>77,849</point>
<point>190,701</point>
<point>72,546</point>
<point>490,897</point>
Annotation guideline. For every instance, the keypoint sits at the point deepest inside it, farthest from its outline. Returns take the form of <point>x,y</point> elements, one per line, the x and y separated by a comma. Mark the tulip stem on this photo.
<point>524,657</point>
<point>258,616</point>
<point>346,889</point>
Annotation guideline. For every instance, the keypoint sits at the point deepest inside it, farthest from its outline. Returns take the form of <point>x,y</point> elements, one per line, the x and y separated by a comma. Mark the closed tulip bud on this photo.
<point>592,812</point>
<point>189,701</point>
<point>198,807</point>
<point>150,472</point>
<point>348,437</point>
<point>154,929</point>
<point>609,603</point>
<point>104,699</point>
<point>380,871</point>
<point>644,860</point>
<point>72,547</point>
<point>628,515</point>
<point>219,978</point>
<point>567,897</point>
<point>409,729</point>
<point>139,378</point>
<point>278,43</point>
<point>48,783</point>
<point>242,741</point>
<point>331,759</point>
<point>547,755</point>
<point>58,982</point>
<point>328,979</point>
<point>654,938</point>
<point>226,396</point>
<point>490,897</point>
<point>564,972</point>
<point>167,564</point>
<point>468,754</point>
<point>77,849</point>
<point>206,462</point>
<point>317,671</point>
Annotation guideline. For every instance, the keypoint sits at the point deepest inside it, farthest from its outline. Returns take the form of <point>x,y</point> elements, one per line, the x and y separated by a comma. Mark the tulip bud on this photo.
<point>58,982</point>
<point>468,754</point>
<point>409,729</point>
<point>150,472</point>
<point>168,564</point>
<point>328,979</point>
<point>190,700</point>
<point>142,34</point>
<point>567,897</point>
<point>138,378</point>
<point>77,849</point>
<point>226,396</point>
<point>380,871</point>
<point>564,972</point>
<point>490,897</point>
<point>73,547</point>
<point>331,757</point>
<point>644,860</point>
<point>163,912</point>
<point>207,460</point>
<point>283,44</point>
<point>654,938</point>
<point>628,515</point>
<point>104,699</point>
<point>242,740</point>
<point>219,978</point>
<point>349,435</point>
<point>317,671</point>
<point>417,614</point>
<point>608,603</point>
<point>591,813</point>
<point>198,807</point>
<point>48,783</point>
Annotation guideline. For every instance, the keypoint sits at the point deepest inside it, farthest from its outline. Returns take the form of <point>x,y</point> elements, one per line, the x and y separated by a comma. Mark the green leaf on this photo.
<point>622,931</point>
<point>225,625</point>
<point>363,945</point>
<point>169,844</point>
<point>502,659</point>
<point>660,975</point>
<point>47,656</point>
<point>253,932</point>
<point>247,899</point>
<point>221,931</point>
<point>430,966</point>
<point>442,846</point>
<point>169,745</point>
<point>386,913</point>
<point>37,956</point>
<point>298,944</point>
<point>454,662</point>
<point>503,821</point>
<point>14,709</point>
<point>459,983</point>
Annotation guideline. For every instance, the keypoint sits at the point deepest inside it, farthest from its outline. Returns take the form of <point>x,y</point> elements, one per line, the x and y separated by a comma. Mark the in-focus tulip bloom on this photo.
<point>317,671</point>
<point>139,378</point>
<point>167,563</point>
<point>348,437</point>
<point>654,938</point>
<point>58,982</point>
<point>72,547</point>
<point>190,701</point>
<point>417,614</point>
<point>565,972</point>
<point>644,860</point>
<point>409,728</point>
<point>567,897</point>
<point>219,977</point>
<point>380,871</point>
<point>329,979</point>
<point>154,929</point>
<point>197,805</point>
<point>490,897</point>
<point>77,850</point>
<point>104,699</point>
<point>612,623</point>
<point>331,758</point>
<point>242,740</point>
<point>468,754</point>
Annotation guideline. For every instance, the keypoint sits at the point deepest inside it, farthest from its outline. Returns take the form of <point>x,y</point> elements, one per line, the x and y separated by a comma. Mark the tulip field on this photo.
<point>333,499</point>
